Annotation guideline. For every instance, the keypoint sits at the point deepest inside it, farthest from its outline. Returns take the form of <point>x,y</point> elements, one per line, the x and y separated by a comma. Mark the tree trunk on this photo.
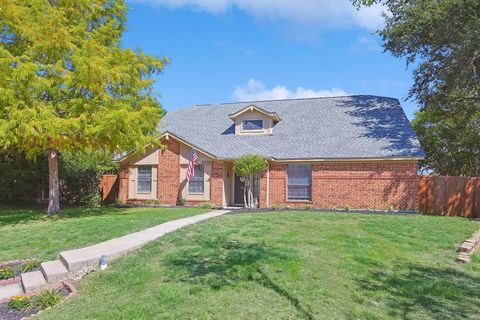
<point>245,188</point>
<point>250,192</point>
<point>53,188</point>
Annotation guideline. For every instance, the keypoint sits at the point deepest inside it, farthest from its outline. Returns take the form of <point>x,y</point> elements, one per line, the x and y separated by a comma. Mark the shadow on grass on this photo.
<point>221,262</point>
<point>19,214</point>
<point>440,293</point>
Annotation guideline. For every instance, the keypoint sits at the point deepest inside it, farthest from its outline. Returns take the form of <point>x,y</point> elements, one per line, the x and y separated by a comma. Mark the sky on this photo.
<point>247,50</point>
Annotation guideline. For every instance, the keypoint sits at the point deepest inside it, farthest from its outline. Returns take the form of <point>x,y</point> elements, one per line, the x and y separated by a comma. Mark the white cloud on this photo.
<point>331,13</point>
<point>255,90</point>
<point>363,43</point>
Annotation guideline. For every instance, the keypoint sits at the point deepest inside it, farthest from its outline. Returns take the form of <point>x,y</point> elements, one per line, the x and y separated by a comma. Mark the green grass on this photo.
<point>290,265</point>
<point>29,233</point>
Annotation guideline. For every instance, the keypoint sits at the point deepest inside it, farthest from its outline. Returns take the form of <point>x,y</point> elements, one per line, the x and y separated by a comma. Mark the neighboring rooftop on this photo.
<point>312,128</point>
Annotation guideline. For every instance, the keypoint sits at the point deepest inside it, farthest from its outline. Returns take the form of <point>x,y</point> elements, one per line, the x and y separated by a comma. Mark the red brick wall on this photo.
<point>357,185</point>
<point>277,184</point>
<point>216,184</point>
<point>168,179</point>
<point>262,189</point>
<point>168,175</point>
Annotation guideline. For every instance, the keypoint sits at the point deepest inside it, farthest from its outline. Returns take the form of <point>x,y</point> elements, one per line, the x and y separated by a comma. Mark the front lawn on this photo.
<point>30,233</point>
<point>290,265</point>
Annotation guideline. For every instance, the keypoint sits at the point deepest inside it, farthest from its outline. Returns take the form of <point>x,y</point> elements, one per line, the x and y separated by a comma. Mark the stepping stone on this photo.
<point>9,290</point>
<point>463,258</point>
<point>33,280</point>
<point>54,271</point>
<point>466,247</point>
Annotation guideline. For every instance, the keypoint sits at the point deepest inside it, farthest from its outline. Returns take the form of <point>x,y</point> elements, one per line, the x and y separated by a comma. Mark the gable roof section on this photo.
<point>273,115</point>
<point>352,127</point>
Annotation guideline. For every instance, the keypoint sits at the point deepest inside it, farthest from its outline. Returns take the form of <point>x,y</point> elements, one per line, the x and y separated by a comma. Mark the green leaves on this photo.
<point>248,165</point>
<point>442,40</point>
<point>66,83</point>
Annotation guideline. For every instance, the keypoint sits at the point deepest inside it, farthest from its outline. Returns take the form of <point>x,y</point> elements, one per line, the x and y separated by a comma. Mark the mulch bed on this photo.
<point>7,313</point>
<point>66,290</point>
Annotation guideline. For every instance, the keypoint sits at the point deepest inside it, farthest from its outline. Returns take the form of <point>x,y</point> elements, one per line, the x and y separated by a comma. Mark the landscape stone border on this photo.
<point>15,279</point>
<point>65,284</point>
<point>13,263</point>
<point>467,248</point>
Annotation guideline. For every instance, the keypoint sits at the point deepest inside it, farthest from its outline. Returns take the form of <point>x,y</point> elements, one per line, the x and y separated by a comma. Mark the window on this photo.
<point>196,183</point>
<point>144,183</point>
<point>299,182</point>
<point>248,125</point>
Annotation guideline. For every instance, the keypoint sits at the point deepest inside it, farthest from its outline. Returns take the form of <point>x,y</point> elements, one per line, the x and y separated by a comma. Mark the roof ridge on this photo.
<point>294,99</point>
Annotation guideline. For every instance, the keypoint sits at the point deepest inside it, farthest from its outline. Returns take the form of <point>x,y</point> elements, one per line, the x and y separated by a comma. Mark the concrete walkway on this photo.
<point>74,264</point>
<point>84,260</point>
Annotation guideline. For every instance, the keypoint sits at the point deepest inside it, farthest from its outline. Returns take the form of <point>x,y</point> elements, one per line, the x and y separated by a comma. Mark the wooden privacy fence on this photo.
<point>109,188</point>
<point>451,196</point>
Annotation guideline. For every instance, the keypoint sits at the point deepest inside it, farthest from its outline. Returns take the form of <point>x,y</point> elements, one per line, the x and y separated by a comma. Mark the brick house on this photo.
<point>354,151</point>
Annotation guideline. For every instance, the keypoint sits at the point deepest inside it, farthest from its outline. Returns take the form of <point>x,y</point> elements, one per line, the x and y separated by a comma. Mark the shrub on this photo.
<point>80,175</point>
<point>47,299</point>
<point>95,200</point>
<point>152,202</point>
<point>20,302</point>
<point>7,273</point>
<point>308,207</point>
<point>207,205</point>
<point>21,178</point>
<point>274,207</point>
<point>347,208</point>
<point>30,265</point>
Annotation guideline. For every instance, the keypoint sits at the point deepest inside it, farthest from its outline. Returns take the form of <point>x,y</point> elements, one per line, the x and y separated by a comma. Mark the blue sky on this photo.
<point>241,50</point>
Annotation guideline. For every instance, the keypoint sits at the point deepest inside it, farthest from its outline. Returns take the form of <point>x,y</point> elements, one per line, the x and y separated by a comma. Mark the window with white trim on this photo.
<point>144,179</point>
<point>252,125</point>
<point>299,182</point>
<point>196,183</point>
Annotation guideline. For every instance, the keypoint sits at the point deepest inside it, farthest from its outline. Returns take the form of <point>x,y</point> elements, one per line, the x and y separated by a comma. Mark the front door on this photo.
<point>239,188</point>
<point>238,191</point>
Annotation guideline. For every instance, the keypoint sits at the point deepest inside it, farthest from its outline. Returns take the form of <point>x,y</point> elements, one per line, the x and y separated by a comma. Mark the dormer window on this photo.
<point>253,120</point>
<point>252,125</point>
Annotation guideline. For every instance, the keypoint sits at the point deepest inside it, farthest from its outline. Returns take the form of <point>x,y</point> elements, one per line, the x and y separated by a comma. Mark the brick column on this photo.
<point>262,188</point>
<point>216,184</point>
<point>168,180</point>
<point>278,177</point>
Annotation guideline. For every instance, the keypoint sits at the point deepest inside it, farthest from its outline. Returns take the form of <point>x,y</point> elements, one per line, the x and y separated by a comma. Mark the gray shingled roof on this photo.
<point>320,128</point>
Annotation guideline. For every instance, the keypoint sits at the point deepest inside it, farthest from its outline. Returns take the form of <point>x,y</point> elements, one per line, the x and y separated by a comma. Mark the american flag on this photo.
<point>191,165</point>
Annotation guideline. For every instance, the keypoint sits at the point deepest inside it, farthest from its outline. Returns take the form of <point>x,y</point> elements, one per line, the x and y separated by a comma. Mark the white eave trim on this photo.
<point>272,115</point>
<point>348,159</point>
<point>167,135</point>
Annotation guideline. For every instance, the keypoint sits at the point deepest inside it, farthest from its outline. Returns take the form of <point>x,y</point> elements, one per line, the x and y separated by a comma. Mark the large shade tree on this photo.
<point>442,40</point>
<point>67,84</point>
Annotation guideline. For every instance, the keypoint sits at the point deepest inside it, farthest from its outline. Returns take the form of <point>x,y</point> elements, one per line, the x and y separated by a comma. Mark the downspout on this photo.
<point>268,184</point>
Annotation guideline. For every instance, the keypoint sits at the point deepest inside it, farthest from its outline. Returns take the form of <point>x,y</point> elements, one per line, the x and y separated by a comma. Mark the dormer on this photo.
<point>253,120</point>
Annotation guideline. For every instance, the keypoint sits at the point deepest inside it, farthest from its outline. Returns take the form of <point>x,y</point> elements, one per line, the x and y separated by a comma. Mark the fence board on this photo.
<point>452,196</point>
<point>109,188</point>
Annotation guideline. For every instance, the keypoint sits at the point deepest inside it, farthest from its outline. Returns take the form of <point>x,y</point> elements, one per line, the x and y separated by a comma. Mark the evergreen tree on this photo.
<point>442,39</point>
